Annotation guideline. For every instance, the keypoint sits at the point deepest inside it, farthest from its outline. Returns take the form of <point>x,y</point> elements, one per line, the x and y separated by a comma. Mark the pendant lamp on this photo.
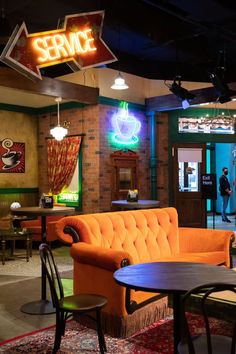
<point>58,132</point>
<point>119,83</point>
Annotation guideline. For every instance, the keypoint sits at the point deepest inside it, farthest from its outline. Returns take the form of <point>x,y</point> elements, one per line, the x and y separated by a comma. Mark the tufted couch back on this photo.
<point>145,234</point>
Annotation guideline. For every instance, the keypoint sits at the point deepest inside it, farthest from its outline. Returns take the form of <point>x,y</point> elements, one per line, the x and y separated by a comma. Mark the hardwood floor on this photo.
<point>20,283</point>
<point>215,222</point>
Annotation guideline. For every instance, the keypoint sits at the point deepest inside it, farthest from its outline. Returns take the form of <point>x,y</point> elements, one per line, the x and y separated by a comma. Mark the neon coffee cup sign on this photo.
<point>126,126</point>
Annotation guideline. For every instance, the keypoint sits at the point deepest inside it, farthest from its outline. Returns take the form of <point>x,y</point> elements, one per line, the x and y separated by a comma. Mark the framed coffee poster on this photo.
<point>12,156</point>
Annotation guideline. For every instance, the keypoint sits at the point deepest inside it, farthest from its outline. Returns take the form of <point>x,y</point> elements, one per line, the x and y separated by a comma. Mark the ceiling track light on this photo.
<point>180,92</point>
<point>217,77</point>
<point>222,91</point>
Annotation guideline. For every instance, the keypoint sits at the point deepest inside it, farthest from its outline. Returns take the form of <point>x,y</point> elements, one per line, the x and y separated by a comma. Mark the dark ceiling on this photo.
<point>152,39</point>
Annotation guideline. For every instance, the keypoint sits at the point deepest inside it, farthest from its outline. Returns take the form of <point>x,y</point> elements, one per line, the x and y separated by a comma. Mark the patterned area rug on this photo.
<point>157,338</point>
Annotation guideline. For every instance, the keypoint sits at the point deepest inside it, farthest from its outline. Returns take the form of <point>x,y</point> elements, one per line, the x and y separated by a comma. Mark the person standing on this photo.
<point>225,192</point>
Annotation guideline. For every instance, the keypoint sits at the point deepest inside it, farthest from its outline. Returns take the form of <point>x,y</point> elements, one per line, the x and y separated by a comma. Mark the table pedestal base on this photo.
<point>40,307</point>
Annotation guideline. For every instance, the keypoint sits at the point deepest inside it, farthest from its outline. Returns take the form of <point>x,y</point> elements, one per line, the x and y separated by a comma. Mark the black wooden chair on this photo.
<point>207,342</point>
<point>66,306</point>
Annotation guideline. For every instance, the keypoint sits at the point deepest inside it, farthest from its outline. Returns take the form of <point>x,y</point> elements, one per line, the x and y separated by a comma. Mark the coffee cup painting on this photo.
<point>12,157</point>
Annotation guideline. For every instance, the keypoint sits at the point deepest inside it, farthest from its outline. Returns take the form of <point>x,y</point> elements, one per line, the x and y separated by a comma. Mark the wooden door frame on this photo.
<point>123,159</point>
<point>174,161</point>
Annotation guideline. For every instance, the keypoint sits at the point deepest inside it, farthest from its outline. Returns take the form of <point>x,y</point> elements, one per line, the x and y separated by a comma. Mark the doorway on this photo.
<point>190,135</point>
<point>189,162</point>
<point>219,155</point>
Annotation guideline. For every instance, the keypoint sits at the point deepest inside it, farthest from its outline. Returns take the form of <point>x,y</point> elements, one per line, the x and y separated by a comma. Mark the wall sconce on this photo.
<point>119,83</point>
<point>58,132</point>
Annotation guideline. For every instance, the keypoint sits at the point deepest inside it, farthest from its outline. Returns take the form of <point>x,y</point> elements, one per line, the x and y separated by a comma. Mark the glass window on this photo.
<point>125,178</point>
<point>221,124</point>
<point>189,176</point>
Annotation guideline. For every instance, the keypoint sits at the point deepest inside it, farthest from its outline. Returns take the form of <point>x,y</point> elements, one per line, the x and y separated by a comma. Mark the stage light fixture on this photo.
<point>180,92</point>
<point>221,88</point>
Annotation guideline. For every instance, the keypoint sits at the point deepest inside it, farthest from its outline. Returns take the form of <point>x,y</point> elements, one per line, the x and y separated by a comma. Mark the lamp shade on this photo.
<point>58,132</point>
<point>119,83</point>
<point>15,205</point>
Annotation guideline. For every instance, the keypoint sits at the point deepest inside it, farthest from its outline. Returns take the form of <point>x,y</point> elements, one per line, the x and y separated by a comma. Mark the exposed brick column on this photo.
<point>162,143</point>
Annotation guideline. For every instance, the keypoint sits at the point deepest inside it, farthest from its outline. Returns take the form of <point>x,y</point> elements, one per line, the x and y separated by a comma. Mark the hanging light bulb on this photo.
<point>58,132</point>
<point>119,83</point>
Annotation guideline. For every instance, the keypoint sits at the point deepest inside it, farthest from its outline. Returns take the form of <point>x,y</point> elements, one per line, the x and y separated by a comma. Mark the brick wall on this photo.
<point>91,160</point>
<point>162,158</point>
<point>107,147</point>
<point>95,123</point>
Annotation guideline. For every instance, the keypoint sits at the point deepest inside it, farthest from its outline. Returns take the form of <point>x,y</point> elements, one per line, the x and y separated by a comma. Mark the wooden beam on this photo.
<point>232,86</point>
<point>48,87</point>
<point>170,102</point>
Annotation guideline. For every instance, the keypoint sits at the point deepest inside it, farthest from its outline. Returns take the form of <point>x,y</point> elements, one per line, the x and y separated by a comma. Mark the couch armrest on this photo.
<point>105,258</point>
<point>204,240</point>
<point>67,229</point>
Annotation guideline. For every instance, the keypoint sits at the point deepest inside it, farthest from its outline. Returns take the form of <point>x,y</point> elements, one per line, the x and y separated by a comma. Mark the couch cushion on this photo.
<point>145,234</point>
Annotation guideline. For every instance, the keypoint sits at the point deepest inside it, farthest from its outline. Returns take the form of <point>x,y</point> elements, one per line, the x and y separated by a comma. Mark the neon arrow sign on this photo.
<point>60,46</point>
<point>78,41</point>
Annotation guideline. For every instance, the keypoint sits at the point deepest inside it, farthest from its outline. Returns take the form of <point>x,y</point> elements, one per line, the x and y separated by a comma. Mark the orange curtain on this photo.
<point>62,159</point>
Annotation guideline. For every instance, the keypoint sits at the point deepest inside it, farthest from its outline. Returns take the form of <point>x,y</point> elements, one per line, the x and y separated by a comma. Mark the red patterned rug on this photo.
<point>157,338</point>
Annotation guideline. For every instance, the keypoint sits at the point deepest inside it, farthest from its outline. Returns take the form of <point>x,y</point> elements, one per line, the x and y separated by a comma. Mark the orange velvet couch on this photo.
<point>102,243</point>
<point>35,226</point>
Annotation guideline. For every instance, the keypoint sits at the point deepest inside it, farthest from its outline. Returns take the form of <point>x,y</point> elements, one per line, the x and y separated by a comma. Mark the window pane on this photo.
<point>125,178</point>
<point>221,124</point>
<point>189,176</point>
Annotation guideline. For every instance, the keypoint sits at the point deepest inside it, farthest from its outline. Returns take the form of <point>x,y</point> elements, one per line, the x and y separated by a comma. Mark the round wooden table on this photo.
<point>174,278</point>
<point>42,306</point>
<point>140,204</point>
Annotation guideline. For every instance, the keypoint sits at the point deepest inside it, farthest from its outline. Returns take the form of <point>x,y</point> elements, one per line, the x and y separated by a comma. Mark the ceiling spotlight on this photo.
<point>221,88</point>
<point>181,92</point>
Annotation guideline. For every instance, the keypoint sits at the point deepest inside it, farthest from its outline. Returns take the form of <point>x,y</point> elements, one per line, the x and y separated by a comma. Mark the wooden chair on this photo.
<point>66,306</point>
<point>206,342</point>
